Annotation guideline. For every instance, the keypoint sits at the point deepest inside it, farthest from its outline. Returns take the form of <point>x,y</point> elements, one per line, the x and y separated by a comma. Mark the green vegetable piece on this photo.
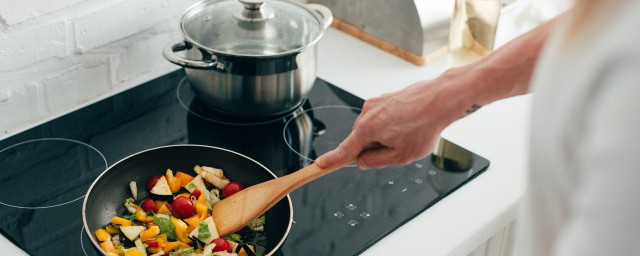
<point>203,230</point>
<point>257,223</point>
<point>130,217</point>
<point>120,249</point>
<point>234,237</point>
<point>187,252</point>
<point>183,252</point>
<point>166,227</point>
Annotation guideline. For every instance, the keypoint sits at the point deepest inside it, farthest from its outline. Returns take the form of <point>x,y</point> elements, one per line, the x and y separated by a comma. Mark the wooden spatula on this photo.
<point>235,212</point>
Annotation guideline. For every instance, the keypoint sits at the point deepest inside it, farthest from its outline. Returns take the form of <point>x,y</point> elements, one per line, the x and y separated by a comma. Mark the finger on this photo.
<point>346,151</point>
<point>368,105</point>
<point>376,158</point>
<point>367,111</point>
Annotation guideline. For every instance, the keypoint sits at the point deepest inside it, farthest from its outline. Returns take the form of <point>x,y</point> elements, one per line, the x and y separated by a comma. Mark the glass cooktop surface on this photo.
<point>47,169</point>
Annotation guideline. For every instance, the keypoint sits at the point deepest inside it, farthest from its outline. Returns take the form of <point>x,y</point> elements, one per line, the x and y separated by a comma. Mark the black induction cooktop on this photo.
<point>47,169</point>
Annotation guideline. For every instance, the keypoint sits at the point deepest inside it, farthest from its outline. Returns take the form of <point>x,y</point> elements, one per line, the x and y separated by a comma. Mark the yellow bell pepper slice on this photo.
<point>202,199</point>
<point>107,246</point>
<point>190,229</point>
<point>243,252</point>
<point>154,250</point>
<point>151,232</point>
<point>184,178</point>
<point>134,252</point>
<point>162,240</point>
<point>120,221</point>
<point>181,230</point>
<point>102,235</point>
<point>174,245</point>
<point>186,195</point>
<point>159,204</point>
<point>171,246</point>
<point>111,229</point>
<point>202,210</point>
<point>193,221</point>
<point>141,216</point>
<point>164,209</point>
<point>174,183</point>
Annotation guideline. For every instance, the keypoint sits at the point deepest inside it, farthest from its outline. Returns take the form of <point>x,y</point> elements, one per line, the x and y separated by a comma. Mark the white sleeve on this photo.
<point>604,217</point>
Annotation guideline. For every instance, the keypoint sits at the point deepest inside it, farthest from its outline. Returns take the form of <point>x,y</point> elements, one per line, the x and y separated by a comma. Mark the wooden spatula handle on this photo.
<point>281,187</point>
<point>307,174</point>
<point>232,214</point>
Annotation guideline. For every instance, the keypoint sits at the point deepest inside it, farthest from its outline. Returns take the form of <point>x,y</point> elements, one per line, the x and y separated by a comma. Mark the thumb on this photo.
<point>347,151</point>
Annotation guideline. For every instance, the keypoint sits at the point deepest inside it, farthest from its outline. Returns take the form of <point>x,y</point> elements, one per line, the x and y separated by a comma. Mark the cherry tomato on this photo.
<point>231,188</point>
<point>148,205</point>
<point>152,243</point>
<point>182,207</point>
<point>152,181</point>
<point>221,245</point>
<point>196,193</point>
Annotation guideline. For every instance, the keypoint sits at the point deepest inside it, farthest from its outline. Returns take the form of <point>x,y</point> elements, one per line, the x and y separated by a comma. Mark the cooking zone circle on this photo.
<point>330,128</point>
<point>200,110</point>
<point>83,239</point>
<point>48,172</point>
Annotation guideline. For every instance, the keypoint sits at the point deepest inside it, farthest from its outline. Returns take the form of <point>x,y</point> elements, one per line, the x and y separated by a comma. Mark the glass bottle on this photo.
<point>473,30</point>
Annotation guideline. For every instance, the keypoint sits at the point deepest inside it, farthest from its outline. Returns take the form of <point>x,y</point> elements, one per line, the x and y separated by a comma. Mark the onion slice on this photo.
<point>134,189</point>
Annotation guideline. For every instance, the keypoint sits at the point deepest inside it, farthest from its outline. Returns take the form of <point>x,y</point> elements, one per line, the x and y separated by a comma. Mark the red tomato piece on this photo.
<point>231,188</point>
<point>152,181</point>
<point>221,245</point>
<point>152,243</point>
<point>148,205</point>
<point>182,207</point>
<point>196,193</point>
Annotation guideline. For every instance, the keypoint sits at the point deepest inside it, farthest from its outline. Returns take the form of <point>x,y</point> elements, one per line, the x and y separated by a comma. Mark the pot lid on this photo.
<point>254,27</point>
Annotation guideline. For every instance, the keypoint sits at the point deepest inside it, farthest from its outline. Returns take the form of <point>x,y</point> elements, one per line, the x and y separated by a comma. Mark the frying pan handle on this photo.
<point>324,12</point>
<point>169,53</point>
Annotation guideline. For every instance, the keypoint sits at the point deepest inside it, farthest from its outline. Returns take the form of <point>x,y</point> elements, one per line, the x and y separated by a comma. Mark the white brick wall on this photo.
<point>16,11</point>
<point>57,55</point>
<point>33,44</point>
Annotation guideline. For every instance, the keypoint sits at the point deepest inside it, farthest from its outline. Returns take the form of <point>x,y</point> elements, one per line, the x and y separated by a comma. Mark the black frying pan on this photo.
<point>106,195</point>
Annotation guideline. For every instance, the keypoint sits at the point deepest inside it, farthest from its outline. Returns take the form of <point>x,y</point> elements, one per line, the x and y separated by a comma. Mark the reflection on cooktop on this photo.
<point>329,126</point>
<point>343,213</point>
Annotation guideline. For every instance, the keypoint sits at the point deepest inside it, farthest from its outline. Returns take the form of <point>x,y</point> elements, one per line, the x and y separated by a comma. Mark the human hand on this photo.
<point>403,126</point>
<point>396,128</point>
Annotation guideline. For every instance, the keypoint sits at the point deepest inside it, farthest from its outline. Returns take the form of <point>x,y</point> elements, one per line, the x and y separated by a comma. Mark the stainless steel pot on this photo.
<point>250,57</point>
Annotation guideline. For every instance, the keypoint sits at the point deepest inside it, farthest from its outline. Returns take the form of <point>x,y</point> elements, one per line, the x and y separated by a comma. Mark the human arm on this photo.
<point>406,124</point>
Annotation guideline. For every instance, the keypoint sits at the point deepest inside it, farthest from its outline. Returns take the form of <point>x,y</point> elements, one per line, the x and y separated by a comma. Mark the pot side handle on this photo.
<point>324,12</point>
<point>169,53</point>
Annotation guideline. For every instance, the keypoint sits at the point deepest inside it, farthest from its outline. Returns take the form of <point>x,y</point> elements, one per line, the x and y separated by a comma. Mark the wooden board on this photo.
<point>388,47</point>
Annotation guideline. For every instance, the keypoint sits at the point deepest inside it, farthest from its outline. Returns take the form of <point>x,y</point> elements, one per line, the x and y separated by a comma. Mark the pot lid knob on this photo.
<point>252,4</point>
<point>254,11</point>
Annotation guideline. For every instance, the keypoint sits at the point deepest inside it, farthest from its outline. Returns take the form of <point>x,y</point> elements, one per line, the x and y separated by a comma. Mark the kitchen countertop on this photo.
<point>470,216</point>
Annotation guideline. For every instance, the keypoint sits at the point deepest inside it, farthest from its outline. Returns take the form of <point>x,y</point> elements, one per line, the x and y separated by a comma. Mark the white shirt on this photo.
<point>584,181</point>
